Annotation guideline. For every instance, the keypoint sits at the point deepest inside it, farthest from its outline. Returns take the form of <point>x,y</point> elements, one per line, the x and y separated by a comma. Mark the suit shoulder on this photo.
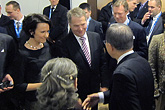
<point>5,37</point>
<point>62,7</point>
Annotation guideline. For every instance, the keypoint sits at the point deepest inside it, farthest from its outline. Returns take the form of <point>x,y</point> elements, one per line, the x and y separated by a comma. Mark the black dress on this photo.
<point>32,63</point>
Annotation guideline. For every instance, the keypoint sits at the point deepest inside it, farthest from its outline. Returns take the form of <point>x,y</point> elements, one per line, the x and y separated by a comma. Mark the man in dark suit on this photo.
<point>14,26</point>
<point>3,30</point>
<point>132,85</point>
<point>139,11</point>
<point>85,49</point>
<point>152,20</point>
<point>120,9</point>
<point>105,15</point>
<point>58,16</point>
<point>7,54</point>
<point>3,19</point>
<point>92,25</point>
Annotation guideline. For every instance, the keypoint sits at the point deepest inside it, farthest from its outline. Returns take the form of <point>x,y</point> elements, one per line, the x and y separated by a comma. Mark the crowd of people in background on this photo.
<point>63,59</point>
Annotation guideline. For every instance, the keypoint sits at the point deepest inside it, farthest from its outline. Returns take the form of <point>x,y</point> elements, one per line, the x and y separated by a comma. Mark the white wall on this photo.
<point>35,6</point>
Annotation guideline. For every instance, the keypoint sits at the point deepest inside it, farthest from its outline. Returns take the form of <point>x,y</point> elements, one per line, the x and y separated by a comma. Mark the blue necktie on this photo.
<point>149,27</point>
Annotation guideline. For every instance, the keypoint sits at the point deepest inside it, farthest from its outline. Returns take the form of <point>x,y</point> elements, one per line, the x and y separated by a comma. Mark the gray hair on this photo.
<point>120,36</point>
<point>77,12</point>
<point>123,3</point>
<point>57,91</point>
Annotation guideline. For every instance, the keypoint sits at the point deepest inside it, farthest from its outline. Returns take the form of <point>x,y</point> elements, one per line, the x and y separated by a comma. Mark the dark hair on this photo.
<point>120,36</point>
<point>31,21</point>
<point>85,6</point>
<point>15,5</point>
<point>163,19</point>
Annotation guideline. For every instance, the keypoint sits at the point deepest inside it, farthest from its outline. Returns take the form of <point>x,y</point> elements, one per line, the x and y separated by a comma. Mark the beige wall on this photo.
<point>163,5</point>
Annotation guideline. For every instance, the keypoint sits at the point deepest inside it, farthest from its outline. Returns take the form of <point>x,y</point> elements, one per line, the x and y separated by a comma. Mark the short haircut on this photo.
<point>123,3</point>
<point>158,2</point>
<point>31,21</point>
<point>120,36</point>
<point>57,91</point>
<point>77,12</point>
<point>15,5</point>
<point>85,6</point>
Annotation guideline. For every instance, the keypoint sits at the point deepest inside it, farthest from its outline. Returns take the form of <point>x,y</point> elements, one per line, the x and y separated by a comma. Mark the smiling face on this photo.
<point>78,25</point>
<point>120,14</point>
<point>54,2</point>
<point>153,8</point>
<point>41,32</point>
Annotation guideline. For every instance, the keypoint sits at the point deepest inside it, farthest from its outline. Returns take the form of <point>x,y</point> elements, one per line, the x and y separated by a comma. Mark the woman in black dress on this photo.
<point>35,53</point>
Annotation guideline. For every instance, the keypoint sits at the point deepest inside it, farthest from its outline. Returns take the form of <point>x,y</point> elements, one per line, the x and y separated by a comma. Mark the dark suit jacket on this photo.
<point>11,31</point>
<point>4,20</point>
<point>3,30</point>
<point>89,78</point>
<point>7,54</point>
<point>132,86</point>
<point>158,29</point>
<point>140,43</point>
<point>96,26</point>
<point>105,15</point>
<point>137,15</point>
<point>59,21</point>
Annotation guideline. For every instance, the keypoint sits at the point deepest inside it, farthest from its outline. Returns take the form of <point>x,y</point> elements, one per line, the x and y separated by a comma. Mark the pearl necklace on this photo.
<point>35,47</point>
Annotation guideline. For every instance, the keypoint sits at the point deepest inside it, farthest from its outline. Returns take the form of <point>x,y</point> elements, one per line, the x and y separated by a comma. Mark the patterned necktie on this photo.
<point>85,50</point>
<point>149,27</point>
<point>18,25</point>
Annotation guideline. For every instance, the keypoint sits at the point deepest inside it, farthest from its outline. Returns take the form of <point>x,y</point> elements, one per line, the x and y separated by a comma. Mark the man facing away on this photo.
<point>132,85</point>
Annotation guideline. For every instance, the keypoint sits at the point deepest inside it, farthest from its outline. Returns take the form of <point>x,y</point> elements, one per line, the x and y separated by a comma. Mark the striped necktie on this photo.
<point>85,50</point>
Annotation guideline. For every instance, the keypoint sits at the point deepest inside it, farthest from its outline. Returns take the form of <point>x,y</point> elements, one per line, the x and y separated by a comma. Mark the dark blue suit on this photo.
<point>3,30</point>
<point>140,43</point>
<point>95,26</point>
<point>59,21</point>
<point>137,14</point>
<point>132,85</point>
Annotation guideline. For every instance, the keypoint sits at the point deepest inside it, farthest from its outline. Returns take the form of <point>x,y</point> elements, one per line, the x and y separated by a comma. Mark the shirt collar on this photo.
<point>85,35</point>
<point>126,21</point>
<point>124,55</point>
<point>155,17</point>
<point>21,20</point>
<point>0,15</point>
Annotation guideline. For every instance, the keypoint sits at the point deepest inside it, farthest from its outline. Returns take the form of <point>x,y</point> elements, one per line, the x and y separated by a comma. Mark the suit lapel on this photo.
<point>91,45</point>
<point>76,46</point>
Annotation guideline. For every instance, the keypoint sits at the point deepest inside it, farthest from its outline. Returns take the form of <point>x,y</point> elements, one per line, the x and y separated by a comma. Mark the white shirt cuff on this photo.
<point>101,97</point>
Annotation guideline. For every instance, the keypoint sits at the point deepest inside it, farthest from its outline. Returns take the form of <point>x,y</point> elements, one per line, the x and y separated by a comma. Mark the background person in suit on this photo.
<point>14,27</point>
<point>58,16</point>
<point>120,9</point>
<point>140,11</point>
<point>105,15</point>
<point>7,54</point>
<point>3,19</point>
<point>85,49</point>
<point>132,81</point>
<point>92,25</point>
<point>157,62</point>
<point>152,20</point>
